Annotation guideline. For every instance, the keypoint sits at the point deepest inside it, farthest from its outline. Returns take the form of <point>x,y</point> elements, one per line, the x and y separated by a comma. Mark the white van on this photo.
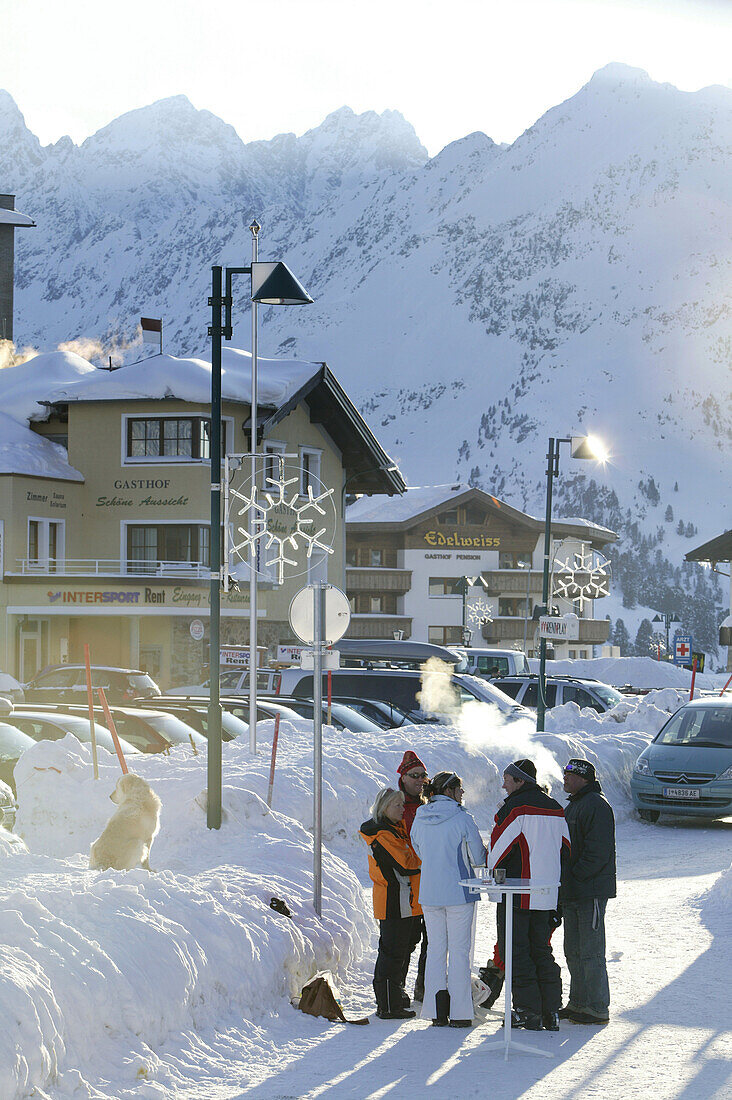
<point>488,663</point>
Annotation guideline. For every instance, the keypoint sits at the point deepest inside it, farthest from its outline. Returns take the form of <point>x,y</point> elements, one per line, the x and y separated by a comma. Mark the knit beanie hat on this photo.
<point>522,769</point>
<point>583,768</point>
<point>410,760</point>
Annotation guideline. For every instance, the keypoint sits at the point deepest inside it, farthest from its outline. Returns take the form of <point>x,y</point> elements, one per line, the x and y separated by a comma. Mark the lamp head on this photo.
<point>589,446</point>
<point>656,619</point>
<point>273,284</point>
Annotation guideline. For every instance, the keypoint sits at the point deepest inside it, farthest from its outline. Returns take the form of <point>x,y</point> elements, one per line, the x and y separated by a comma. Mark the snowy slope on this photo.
<point>486,298</point>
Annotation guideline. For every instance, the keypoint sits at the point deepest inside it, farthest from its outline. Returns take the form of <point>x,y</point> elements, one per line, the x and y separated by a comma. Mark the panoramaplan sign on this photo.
<point>565,628</point>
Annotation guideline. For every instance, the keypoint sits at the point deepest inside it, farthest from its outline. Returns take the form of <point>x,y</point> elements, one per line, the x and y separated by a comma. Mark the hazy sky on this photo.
<point>450,66</point>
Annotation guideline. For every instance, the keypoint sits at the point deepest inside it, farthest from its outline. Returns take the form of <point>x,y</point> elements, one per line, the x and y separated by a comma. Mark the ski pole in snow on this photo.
<point>275,738</point>
<point>112,730</point>
<point>693,678</point>
<point>92,731</point>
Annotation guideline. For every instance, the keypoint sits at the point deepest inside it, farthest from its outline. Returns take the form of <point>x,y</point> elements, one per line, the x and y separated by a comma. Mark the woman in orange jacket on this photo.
<point>394,871</point>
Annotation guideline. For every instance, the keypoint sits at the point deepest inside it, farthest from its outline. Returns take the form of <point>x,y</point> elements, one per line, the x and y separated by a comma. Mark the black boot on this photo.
<point>531,1021</point>
<point>389,1002</point>
<point>493,977</point>
<point>442,1008</point>
<point>550,1020</point>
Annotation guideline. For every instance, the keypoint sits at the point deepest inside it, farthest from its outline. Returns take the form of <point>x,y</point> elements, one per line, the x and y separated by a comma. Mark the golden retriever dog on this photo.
<point>128,835</point>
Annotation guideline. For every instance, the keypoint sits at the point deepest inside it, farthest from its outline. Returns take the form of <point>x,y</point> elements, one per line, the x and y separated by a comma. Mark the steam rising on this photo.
<point>482,727</point>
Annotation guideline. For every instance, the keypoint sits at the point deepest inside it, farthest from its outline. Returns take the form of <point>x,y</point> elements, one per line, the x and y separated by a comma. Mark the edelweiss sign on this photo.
<point>564,628</point>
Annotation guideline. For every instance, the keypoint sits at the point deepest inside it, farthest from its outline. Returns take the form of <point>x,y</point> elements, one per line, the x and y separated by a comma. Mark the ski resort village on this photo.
<point>366,666</point>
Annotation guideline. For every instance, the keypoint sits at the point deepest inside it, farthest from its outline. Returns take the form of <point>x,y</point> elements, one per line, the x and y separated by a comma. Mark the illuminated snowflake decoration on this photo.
<point>581,577</point>
<point>479,612</point>
<point>303,515</point>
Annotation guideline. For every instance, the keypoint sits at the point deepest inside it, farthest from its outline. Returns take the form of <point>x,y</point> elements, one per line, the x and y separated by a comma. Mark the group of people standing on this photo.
<point>422,846</point>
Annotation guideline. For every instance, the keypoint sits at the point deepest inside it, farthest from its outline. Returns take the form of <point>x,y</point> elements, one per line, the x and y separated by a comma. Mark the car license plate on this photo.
<point>681,792</point>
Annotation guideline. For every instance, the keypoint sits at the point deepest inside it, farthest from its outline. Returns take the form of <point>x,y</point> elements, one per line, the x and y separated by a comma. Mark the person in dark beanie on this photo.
<point>528,841</point>
<point>394,870</point>
<point>412,778</point>
<point>588,880</point>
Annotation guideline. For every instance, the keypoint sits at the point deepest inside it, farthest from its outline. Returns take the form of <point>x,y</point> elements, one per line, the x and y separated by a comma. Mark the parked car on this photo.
<point>687,768</point>
<point>13,743</point>
<point>67,683</point>
<point>401,687</point>
<point>493,662</point>
<point>386,715</point>
<point>234,681</point>
<point>10,688</point>
<point>238,705</point>
<point>44,725</point>
<point>341,716</point>
<point>381,652</point>
<point>148,730</point>
<point>196,716</point>
<point>559,690</point>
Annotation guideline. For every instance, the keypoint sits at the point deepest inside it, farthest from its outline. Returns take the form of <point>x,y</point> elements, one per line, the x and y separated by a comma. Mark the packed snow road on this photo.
<point>669,952</point>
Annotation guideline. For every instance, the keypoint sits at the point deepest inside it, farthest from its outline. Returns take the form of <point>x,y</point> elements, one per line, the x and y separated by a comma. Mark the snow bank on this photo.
<point>23,451</point>
<point>107,965</point>
<point>641,673</point>
<point>126,958</point>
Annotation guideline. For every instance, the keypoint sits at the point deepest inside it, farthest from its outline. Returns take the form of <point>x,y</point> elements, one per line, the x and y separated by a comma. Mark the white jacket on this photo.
<point>446,839</point>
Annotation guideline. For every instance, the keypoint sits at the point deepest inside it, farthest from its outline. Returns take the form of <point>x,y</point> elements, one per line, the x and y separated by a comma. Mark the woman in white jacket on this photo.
<point>446,838</point>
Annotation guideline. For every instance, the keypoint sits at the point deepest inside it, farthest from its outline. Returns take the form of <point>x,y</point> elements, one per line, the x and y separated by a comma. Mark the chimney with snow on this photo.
<point>10,220</point>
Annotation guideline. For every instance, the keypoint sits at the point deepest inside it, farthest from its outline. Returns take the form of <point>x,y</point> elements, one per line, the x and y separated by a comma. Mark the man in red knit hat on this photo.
<point>412,778</point>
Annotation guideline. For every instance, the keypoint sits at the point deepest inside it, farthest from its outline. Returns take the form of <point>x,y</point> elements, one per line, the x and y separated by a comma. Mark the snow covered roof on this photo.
<point>405,510</point>
<point>189,379</point>
<point>719,549</point>
<point>24,386</point>
<point>23,451</point>
<point>15,218</point>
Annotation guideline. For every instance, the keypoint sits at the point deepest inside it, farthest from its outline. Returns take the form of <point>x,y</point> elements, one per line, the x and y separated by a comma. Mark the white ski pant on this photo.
<point>449,935</point>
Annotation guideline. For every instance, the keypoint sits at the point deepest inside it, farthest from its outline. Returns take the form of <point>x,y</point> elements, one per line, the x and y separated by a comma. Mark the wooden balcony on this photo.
<point>378,626</point>
<point>377,580</point>
<point>503,628</point>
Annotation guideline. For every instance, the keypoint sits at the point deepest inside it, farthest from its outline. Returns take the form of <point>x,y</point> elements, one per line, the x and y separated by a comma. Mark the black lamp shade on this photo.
<point>273,284</point>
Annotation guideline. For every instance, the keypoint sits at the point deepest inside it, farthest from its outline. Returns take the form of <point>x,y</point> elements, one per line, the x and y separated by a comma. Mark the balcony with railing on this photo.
<point>378,579</point>
<point>591,631</point>
<point>379,626</point>
<point>111,567</point>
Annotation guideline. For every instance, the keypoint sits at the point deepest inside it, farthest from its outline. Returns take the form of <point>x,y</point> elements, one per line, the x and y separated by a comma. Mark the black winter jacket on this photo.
<point>590,872</point>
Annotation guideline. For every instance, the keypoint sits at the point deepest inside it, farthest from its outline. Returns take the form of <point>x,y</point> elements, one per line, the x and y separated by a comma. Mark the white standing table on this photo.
<point>495,893</point>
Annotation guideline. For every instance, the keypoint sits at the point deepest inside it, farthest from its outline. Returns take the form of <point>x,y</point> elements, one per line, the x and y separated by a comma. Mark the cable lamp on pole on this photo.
<point>271,283</point>
<point>585,447</point>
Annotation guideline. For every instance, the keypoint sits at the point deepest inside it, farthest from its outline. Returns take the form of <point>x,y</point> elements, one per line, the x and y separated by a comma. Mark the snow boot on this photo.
<point>442,1008</point>
<point>493,977</point>
<point>389,1002</point>
<point>550,1020</point>
<point>521,1018</point>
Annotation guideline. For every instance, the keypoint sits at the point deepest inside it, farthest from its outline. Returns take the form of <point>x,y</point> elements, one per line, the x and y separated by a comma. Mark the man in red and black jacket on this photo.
<point>412,778</point>
<point>528,840</point>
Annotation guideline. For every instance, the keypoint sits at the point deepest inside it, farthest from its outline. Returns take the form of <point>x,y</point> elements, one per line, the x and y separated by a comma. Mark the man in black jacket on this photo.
<point>588,880</point>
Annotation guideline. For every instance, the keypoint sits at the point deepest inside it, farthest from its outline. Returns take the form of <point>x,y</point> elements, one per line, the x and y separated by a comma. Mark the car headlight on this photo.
<point>642,766</point>
<point>727,774</point>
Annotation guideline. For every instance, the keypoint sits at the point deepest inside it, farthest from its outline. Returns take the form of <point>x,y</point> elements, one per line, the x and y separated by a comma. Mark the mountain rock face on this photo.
<point>474,304</point>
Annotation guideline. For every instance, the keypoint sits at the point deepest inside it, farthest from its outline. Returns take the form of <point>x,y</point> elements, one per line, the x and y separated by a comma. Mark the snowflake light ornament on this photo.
<point>582,576</point>
<point>279,517</point>
<point>479,612</point>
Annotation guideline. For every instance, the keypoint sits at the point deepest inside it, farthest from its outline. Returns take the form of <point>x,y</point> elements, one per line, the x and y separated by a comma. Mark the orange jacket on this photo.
<point>394,870</point>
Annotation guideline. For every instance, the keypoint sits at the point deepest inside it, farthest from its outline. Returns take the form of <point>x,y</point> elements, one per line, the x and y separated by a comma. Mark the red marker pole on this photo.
<point>90,696</point>
<point>693,678</point>
<point>726,686</point>
<point>275,739</point>
<point>112,729</point>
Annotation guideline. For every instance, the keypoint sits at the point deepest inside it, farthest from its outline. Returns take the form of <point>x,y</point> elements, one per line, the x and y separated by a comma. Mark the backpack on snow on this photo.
<point>317,999</point>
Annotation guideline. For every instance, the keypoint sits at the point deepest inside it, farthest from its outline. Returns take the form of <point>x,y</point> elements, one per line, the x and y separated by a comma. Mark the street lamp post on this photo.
<point>580,447</point>
<point>666,617</point>
<point>527,566</point>
<point>271,283</point>
<point>462,586</point>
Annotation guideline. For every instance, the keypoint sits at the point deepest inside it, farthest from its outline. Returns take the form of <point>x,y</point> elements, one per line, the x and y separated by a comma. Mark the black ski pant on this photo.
<point>396,938</point>
<point>537,979</point>
<point>420,934</point>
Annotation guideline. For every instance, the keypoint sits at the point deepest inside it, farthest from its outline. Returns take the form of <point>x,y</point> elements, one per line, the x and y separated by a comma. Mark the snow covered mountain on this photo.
<point>485,298</point>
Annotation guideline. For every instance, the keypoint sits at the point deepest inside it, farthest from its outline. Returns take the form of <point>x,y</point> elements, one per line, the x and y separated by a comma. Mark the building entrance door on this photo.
<point>33,649</point>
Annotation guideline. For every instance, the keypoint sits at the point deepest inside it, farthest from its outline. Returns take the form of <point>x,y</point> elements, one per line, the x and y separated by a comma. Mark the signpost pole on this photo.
<point>318,620</point>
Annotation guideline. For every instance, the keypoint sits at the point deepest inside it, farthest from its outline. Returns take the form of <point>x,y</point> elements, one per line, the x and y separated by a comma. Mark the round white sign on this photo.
<point>335,621</point>
<point>197,630</point>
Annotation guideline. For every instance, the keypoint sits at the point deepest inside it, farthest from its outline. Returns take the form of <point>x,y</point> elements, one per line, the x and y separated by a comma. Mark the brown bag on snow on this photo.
<point>317,999</point>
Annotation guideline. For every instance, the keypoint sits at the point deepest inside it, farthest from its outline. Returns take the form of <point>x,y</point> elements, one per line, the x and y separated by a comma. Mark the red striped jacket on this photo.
<point>528,840</point>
